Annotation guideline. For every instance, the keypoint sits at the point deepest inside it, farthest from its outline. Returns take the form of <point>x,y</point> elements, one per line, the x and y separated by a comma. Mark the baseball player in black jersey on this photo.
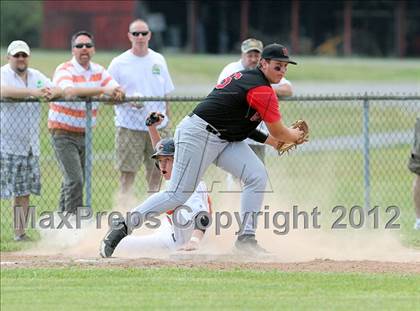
<point>214,133</point>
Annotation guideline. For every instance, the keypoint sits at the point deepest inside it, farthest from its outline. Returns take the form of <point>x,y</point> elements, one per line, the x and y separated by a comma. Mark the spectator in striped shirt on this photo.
<point>78,77</point>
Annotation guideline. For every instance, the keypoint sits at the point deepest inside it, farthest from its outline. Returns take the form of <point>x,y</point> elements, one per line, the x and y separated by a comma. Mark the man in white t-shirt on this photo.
<point>141,72</point>
<point>19,133</point>
<point>250,57</point>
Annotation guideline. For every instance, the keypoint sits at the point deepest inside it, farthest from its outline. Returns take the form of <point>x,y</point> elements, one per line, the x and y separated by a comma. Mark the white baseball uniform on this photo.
<point>172,233</point>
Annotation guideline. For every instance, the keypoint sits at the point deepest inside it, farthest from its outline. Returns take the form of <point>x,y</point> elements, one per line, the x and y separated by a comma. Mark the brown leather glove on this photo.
<point>282,148</point>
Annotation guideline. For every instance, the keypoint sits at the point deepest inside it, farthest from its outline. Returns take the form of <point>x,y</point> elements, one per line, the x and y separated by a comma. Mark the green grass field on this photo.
<point>204,69</point>
<point>201,289</point>
<point>323,178</point>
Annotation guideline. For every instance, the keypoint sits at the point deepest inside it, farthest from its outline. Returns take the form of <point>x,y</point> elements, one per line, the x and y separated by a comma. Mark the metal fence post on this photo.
<point>366,155</point>
<point>88,155</point>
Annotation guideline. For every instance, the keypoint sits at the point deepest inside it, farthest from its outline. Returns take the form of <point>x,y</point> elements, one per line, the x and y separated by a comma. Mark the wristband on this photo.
<point>258,136</point>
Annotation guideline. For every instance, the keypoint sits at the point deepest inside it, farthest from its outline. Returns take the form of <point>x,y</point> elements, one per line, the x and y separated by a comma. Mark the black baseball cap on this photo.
<point>165,147</point>
<point>278,52</point>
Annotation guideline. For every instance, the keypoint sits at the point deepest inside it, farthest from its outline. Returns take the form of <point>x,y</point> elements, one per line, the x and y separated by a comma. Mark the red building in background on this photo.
<point>343,28</point>
<point>107,20</point>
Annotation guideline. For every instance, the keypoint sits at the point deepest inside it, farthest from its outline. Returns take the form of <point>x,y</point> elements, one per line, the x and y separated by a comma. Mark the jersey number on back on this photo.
<point>226,81</point>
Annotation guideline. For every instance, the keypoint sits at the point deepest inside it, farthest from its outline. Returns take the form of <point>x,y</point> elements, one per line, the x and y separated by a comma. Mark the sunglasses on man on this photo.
<point>18,55</point>
<point>138,33</point>
<point>81,45</point>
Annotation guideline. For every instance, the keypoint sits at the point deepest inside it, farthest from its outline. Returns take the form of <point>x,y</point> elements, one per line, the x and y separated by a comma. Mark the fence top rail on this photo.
<point>200,98</point>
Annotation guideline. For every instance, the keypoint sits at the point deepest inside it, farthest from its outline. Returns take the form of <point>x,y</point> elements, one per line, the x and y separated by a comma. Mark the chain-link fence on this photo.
<point>357,156</point>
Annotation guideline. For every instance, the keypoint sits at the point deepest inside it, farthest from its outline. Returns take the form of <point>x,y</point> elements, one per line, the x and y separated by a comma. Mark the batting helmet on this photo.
<point>165,147</point>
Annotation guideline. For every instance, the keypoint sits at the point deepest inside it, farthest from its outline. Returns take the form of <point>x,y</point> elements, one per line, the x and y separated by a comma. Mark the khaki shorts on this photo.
<point>414,161</point>
<point>134,148</point>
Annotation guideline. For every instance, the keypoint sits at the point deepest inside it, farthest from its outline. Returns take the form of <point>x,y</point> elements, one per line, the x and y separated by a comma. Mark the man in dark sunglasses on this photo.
<point>83,49</point>
<point>141,72</point>
<point>78,77</point>
<point>20,150</point>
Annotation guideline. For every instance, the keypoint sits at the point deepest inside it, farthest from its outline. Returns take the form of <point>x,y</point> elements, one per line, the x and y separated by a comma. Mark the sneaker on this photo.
<point>112,238</point>
<point>417,225</point>
<point>246,244</point>
<point>22,238</point>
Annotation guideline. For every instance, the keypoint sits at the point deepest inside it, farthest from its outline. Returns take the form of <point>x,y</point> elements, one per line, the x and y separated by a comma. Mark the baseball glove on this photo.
<point>153,118</point>
<point>283,148</point>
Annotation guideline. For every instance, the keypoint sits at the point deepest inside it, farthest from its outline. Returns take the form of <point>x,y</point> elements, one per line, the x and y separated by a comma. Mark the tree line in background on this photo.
<point>21,20</point>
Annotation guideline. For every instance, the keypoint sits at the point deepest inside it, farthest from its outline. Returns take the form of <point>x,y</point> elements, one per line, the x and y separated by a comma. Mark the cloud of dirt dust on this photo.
<point>295,246</point>
<point>83,241</point>
<point>308,244</point>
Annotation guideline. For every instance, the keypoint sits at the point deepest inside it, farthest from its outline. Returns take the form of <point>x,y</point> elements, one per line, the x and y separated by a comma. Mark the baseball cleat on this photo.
<point>246,244</point>
<point>112,238</point>
<point>22,238</point>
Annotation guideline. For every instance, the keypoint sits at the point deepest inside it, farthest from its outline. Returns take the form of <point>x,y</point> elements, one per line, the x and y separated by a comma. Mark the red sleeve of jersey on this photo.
<point>264,100</point>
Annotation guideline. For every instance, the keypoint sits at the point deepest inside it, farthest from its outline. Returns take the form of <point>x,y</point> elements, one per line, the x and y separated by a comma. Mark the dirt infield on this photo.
<point>19,260</point>
<point>299,251</point>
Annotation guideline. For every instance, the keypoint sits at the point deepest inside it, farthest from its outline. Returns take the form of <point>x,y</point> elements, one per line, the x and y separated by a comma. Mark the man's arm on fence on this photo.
<point>283,88</point>
<point>64,79</point>
<point>14,92</point>
<point>46,93</point>
<point>88,91</point>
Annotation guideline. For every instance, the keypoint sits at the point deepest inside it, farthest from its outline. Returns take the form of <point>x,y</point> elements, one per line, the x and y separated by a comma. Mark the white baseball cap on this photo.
<point>18,46</point>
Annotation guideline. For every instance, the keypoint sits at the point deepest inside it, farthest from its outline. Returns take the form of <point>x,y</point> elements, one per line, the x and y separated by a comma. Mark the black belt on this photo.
<point>209,128</point>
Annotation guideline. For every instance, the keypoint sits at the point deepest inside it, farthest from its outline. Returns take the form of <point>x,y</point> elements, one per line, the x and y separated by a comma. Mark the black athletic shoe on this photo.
<point>22,238</point>
<point>112,238</point>
<point>246,244</point>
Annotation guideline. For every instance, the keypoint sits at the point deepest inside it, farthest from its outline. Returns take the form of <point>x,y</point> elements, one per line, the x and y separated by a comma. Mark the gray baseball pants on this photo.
<point>195,150</point>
